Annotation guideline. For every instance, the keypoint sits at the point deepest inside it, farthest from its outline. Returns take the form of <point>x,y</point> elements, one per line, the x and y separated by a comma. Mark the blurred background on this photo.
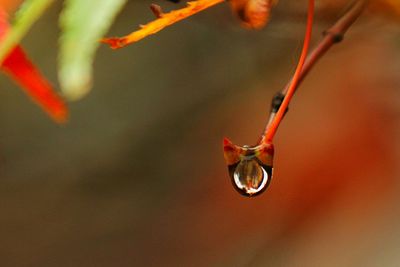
<point>137,176</point>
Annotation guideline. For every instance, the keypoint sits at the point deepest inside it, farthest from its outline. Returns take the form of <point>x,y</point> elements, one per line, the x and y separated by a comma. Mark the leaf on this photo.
<point>22,70</point>
<point>29,12</point>
<point>163,20</point>
<point>83,23</point>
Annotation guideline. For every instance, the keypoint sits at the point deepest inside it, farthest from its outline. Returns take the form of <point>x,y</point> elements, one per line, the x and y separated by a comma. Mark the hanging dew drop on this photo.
<point>250,178</point>
<point>250,167</point>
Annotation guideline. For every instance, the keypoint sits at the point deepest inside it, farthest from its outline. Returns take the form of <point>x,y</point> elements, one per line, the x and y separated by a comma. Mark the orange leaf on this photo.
<point>163,20</point>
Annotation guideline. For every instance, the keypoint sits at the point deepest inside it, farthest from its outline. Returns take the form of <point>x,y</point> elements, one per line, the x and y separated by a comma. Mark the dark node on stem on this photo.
<point>336,36</point>
<point>174,1</point>
<point>157,11</point>
<point>277,102</point>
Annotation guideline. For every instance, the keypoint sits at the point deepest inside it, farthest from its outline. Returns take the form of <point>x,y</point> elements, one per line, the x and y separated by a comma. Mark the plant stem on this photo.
<point>333,35</point>
<point>293,84</point>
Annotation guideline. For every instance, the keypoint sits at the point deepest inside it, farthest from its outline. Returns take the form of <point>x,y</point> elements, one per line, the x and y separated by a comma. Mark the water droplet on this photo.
<point>250,178</point>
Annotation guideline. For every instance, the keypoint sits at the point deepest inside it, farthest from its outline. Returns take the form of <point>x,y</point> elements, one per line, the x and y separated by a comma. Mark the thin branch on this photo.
<point>332,36</point>
<point>291,88</point>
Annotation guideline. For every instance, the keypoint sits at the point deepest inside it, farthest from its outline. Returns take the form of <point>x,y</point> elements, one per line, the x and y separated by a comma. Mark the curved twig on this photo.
<point>333,35</point>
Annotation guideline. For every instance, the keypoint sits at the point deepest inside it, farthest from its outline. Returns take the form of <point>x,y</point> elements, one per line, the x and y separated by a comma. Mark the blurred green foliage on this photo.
<point>29,12</point>
<point>82,24</point>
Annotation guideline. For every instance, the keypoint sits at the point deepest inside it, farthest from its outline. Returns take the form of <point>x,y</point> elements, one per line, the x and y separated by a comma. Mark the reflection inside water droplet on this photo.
<point>250,177</point>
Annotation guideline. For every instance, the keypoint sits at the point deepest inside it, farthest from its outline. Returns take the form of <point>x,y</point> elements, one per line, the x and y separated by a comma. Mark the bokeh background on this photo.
<point>137,176</point>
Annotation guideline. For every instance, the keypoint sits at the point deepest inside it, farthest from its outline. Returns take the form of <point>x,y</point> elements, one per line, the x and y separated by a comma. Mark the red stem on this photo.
<point>332,36</point>
<point>267,138</point>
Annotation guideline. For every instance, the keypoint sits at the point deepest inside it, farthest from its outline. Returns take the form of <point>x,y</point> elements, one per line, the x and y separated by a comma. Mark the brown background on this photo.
<point>137,177</point>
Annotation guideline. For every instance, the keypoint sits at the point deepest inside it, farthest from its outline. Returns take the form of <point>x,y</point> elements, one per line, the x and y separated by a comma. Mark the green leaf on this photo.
<point>83,23</point>
<point>29,13</point>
